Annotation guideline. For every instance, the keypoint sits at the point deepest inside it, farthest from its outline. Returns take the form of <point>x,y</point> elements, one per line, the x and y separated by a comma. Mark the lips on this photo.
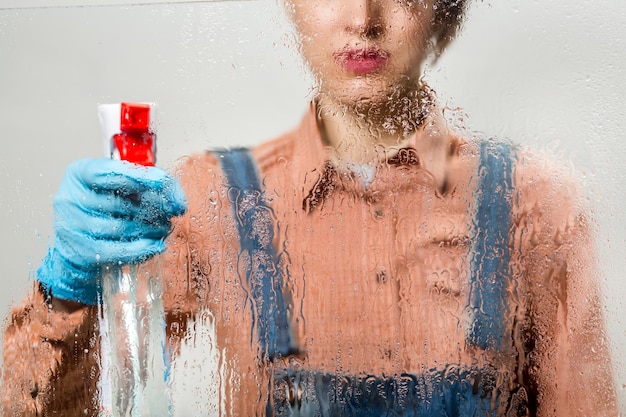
<point>362,61</point>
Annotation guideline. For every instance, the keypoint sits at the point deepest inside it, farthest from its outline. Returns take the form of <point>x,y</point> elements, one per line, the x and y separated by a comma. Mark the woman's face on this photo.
<point>364,51</point>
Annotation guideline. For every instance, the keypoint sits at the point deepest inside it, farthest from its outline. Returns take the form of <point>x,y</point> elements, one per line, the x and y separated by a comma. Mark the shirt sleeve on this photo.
<point>50,360</point>
<point>568,357</point>
<point>51,363</point>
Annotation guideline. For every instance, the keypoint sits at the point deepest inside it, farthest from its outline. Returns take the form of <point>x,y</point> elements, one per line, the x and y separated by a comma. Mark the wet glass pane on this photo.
<point>370,249</point>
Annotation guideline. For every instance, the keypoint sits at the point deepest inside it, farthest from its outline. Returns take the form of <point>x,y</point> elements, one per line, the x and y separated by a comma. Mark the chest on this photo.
<point>379,283</point>
<point>377,279</point>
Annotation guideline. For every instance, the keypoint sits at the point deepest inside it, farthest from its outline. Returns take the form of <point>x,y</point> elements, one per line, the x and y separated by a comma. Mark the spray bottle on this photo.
<point>132,325</point>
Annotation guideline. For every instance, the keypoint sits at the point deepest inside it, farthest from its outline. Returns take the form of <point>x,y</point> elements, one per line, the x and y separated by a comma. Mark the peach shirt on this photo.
<point>377,273</point>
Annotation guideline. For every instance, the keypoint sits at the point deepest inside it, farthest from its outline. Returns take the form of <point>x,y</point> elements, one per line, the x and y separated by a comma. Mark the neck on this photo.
<point>366,134</point>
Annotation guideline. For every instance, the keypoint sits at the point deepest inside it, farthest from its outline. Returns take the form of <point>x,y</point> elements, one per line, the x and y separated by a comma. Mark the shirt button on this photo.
<point>378,212</point>
<point>381,277</point>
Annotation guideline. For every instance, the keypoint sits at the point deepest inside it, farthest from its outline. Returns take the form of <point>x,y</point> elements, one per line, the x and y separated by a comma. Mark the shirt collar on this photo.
<point>426,152</point>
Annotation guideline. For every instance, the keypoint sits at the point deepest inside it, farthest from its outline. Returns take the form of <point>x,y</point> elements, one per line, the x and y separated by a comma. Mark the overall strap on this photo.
<point>263,275</point>
<point>490,274</point>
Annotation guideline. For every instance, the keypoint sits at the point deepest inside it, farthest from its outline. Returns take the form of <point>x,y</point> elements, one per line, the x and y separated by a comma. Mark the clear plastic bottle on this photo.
<point>133,379</point>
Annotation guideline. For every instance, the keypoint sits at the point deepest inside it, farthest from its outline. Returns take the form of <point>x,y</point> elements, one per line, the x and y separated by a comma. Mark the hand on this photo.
<point>107,212</point>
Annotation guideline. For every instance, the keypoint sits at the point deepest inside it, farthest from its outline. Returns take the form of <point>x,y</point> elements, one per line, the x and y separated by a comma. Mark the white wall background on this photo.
<point>546,73</point>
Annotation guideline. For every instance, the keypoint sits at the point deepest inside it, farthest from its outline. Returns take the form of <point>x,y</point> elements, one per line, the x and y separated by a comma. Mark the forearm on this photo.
<point>50,358</point>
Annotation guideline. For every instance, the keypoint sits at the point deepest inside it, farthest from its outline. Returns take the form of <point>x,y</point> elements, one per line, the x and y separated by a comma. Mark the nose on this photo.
<point>364,18</point>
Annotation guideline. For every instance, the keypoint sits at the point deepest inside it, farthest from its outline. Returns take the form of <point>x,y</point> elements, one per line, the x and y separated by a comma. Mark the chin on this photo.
<point>365,95</point>
<point>359,90</point>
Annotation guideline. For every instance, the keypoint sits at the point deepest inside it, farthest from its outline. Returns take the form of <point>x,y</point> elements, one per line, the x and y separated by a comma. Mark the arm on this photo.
<point>50,359</point>
<point>106,212</point>
<point>591,382</point>
<point>569,365</point>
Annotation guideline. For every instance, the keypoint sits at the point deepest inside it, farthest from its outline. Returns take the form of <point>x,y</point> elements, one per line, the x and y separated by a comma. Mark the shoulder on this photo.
<point>549,196</point>
<point>197,169</point>
<point>552,230</point>
<point>542,199</point>
<point>205,166</point>
<point>276,151</point>
<point>202,177</point>
<point>542,188</point>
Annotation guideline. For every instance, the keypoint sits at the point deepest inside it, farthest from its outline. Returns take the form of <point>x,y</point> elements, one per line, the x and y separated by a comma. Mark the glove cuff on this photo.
<point>64,281</point>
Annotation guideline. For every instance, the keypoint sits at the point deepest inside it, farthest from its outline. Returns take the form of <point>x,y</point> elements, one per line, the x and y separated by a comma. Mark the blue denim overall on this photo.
<point>453,391</point>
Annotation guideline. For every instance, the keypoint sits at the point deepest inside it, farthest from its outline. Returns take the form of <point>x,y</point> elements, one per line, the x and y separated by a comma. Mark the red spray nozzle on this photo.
<point>135,117</point>
<point>136,142</point>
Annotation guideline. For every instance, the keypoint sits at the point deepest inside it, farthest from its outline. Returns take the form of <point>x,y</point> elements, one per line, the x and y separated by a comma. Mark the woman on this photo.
<point>368,263</point>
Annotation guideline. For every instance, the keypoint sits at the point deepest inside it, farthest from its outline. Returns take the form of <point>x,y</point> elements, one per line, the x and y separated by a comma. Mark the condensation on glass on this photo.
<point>304,281</point>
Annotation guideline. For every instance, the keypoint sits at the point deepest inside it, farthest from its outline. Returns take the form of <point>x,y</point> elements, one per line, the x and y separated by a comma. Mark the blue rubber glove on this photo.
<point>107,212</point>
